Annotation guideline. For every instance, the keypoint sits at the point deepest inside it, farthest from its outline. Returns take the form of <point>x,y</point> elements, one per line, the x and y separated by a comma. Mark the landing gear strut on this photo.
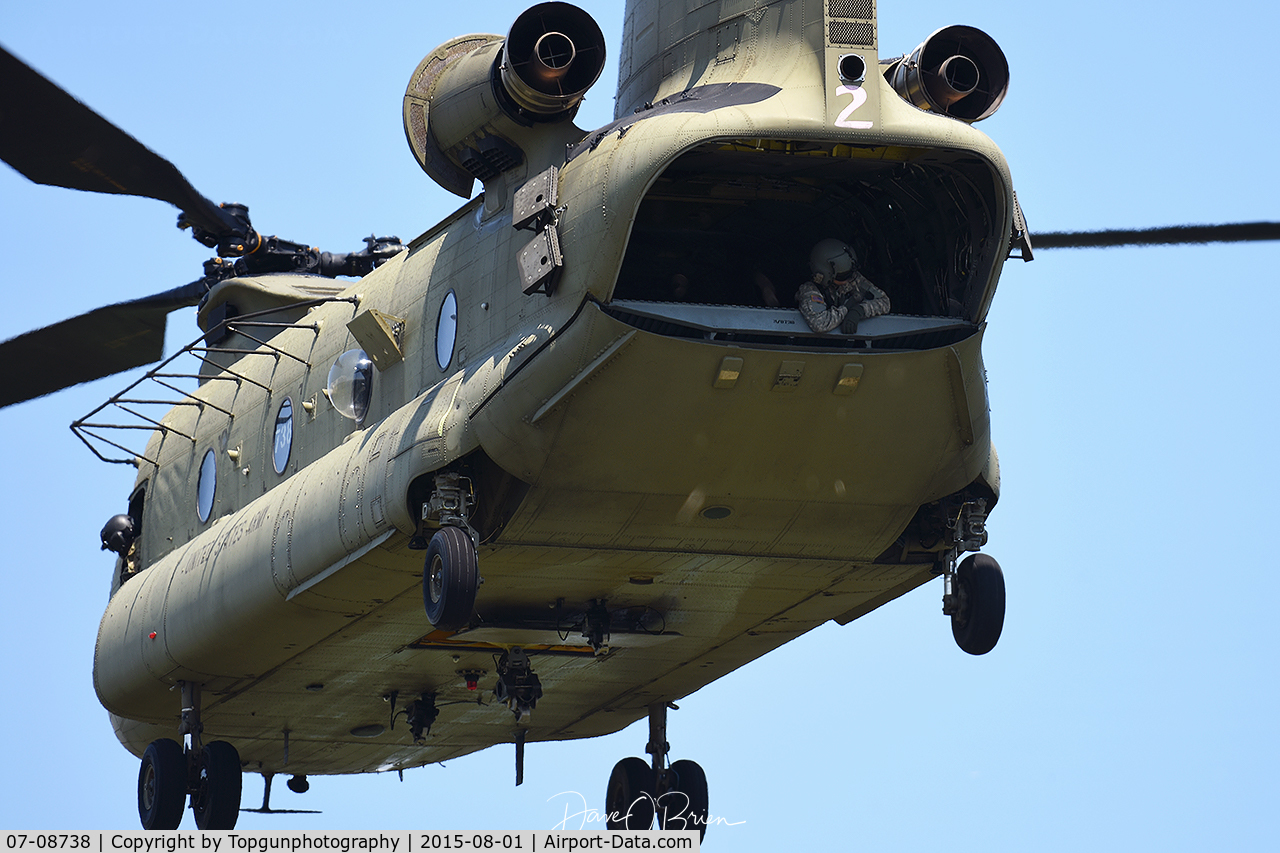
<point>210,773</point>
<point>639,792</point>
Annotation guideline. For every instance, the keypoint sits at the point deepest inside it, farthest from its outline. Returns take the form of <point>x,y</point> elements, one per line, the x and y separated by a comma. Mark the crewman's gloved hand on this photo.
<point>850,324</point>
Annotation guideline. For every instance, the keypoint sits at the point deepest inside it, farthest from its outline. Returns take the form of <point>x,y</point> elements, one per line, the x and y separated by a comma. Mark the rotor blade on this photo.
<point>1240,232</point>
<point>53,139</point>
<point>102,342</point>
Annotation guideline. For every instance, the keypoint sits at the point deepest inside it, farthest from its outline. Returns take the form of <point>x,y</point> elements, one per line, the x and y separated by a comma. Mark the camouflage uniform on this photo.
<point>827,306</point>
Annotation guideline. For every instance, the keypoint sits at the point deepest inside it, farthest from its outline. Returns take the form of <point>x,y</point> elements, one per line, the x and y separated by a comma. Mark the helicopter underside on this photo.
<point>764,494</point>
<point>334,699</point>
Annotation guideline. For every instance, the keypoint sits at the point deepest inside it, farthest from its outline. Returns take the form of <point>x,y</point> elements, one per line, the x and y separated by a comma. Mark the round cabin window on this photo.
<point>207,485</point>
<point>447,330</point>
<point>283,444</point>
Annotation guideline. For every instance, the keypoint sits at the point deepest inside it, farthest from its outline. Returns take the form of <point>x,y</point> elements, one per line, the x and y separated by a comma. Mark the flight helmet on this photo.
<point>832,258</point>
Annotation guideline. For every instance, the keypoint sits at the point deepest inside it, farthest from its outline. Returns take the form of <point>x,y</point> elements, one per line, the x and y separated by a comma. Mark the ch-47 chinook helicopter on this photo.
<point>520,395</point>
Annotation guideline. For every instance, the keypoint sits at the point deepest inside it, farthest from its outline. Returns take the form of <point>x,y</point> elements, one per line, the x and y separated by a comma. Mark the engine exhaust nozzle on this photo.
<point>958,71</point>
<point>553,54</point>
<point>952,80</point>
<point>553,57</point>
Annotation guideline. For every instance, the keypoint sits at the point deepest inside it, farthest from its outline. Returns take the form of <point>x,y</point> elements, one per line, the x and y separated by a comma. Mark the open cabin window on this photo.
<point>729,219</point>
<point>132,561</point>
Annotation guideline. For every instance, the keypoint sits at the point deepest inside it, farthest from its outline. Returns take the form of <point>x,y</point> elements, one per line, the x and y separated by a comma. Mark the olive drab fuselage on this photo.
<point>718,474</point>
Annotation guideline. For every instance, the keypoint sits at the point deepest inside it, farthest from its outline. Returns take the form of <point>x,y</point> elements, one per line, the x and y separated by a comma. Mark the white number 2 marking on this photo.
<point>859,98</point>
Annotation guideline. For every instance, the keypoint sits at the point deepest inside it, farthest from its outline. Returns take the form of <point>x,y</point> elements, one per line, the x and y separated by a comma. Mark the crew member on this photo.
<point>838,295</point>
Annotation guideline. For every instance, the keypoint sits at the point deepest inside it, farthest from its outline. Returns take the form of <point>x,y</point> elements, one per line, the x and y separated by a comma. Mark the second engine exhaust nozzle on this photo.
<point>553,54</point>
<point>958,71</point>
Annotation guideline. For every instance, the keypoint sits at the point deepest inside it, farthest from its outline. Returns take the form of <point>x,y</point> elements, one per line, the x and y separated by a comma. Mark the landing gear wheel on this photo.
<point>216,802</point>
<point>684,805</point>
<point>162,785</point>
<point>979,620</point>
<point>628,801</point>
<point>449,579</point>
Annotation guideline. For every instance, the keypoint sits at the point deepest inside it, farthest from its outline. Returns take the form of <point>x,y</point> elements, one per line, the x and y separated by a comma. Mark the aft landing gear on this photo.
<point>209,773</point>
<point>450,577</point>
<point>638,792</point>
<point>973,592</point>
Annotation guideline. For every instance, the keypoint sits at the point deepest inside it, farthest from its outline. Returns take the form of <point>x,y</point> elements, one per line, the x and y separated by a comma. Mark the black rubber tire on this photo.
<point>628,801</point>
<point>162,785</point>
<point>684,805</point>
<point>450,577</point>
<point>978,625</point>
<point>216,802</point>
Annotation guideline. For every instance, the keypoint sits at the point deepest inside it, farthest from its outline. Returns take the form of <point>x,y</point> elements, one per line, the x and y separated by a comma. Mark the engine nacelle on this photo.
<point>478,105</point>
<point>553,55</point>
<point>958,71</point>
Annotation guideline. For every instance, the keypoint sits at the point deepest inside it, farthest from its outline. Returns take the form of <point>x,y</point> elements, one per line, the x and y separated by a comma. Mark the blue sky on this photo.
<point>1131,701</point>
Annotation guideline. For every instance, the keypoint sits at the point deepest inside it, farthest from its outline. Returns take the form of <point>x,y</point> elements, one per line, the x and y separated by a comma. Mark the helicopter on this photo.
<point>319,404</point>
